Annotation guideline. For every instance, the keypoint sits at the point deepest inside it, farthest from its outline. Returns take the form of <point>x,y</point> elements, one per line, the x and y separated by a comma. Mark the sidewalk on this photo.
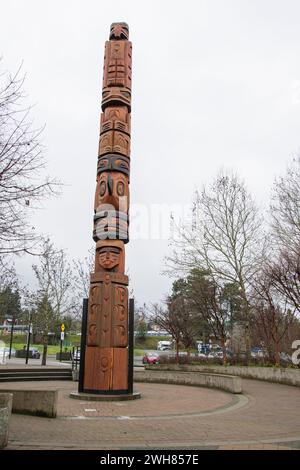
<point>167,417</point>
<point>19,363</point>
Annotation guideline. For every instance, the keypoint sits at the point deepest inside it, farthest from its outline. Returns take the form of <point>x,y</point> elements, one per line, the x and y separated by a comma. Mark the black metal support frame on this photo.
<point>82,344</point>
<point>130,344</point>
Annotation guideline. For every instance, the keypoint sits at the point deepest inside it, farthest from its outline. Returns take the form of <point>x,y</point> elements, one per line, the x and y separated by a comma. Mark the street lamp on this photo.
<point>28,339</point>
<point>11,335</point>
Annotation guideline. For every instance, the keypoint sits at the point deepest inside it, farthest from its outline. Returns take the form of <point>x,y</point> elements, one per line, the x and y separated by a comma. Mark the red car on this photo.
<point>151,358</point>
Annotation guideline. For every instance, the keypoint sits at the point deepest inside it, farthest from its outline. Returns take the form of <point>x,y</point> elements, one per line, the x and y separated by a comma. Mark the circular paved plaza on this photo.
<point>266,416</point>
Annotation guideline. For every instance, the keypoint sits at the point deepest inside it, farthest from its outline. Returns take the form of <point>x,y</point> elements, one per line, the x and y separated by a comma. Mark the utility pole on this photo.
<point>62,337</point>
<point>11,336</point>
<point>28,340</point>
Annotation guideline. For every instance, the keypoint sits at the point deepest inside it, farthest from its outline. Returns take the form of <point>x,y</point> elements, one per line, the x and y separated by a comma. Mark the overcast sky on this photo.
<point>216,84</point>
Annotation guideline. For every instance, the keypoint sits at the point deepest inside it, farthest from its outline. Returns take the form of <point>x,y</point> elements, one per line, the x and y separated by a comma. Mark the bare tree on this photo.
<point>285,209</point>
<point>187,321</point>
<point>168,318</point>
<point>272,316</point>
<point>8,276</point>
<point>188,318</point>
<point>22,164</point>
<point>82,270</point>
<point>53,298</point>
<point>178,318</point>
<point>140,322</point>
<point>224,238</point>
<point>207,301</point>
<point>284,274</point>
<point>292,334</point>
<point>283,266</point>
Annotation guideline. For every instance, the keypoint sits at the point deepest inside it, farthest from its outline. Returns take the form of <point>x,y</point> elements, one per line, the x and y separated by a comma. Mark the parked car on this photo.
<point>34,353</point>
<point>151,358</point>
<point>257,352</point>
<point>215,354</point>
<point>284,357</point>
<point>219,354</point>
<point>164,345</point>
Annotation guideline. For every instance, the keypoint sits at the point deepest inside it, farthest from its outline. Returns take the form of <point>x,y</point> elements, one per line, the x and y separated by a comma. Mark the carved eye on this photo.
<point>103,163</point>
<point>120,188</point>
<point>122,164</point>
<point>102,188</point>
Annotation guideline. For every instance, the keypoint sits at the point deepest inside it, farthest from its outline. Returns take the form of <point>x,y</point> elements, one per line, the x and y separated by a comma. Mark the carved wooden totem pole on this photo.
<point>106,351</point>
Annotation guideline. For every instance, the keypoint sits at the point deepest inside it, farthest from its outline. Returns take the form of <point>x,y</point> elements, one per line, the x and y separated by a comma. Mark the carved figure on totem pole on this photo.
<point>106,352</point>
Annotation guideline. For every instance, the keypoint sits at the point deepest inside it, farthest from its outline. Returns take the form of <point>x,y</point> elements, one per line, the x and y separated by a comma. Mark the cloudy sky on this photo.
<point>216,84</point>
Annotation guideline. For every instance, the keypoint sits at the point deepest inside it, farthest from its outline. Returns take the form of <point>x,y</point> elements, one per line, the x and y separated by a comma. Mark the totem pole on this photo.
<point>105,362</point>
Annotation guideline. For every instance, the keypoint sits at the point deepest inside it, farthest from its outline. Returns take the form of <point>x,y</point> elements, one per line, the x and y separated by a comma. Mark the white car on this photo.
<point>164,345</point>
<point>214,354</point>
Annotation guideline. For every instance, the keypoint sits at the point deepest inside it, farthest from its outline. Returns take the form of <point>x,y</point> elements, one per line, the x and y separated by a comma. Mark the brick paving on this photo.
<point>156,400</point>
<point>166,417</point>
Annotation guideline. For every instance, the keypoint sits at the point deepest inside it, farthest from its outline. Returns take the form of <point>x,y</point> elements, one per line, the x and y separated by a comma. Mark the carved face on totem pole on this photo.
<point>119,31</point>
<point>112,190</point>
<point>116,96</point>
<point>114,162</point>
<point>109,256</point>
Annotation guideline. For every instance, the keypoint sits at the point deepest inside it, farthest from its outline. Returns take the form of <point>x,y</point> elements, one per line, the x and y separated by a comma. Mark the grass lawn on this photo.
<point>51,349</point>
<point>139,352</point>
<point>150,342</point>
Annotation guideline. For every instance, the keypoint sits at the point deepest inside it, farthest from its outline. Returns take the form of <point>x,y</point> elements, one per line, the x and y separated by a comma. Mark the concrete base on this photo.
<point>229,383</point>
<point>98,397</point>
<point>34,402</point>
<point>287,375</point>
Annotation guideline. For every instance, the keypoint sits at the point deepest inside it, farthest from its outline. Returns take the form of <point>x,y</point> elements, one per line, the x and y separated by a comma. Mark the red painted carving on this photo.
<point>92,339</point>
<point>110,256</point>
<point>117,118</point>
<point>114,142</point>
<point>106,356</point>
<point>116,96</point>
<point>117,64</point>
<point>112,192</point>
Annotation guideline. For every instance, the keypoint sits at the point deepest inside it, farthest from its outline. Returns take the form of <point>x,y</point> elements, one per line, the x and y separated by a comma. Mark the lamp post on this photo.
<point>62,337</point>
<point>28,340</point>
<point>11,336</point>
